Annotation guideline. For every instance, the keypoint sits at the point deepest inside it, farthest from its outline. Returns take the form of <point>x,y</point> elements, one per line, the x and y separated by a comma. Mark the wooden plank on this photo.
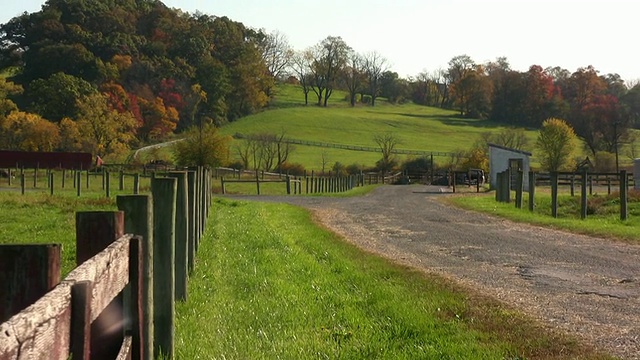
<point>107,271</point>
<point>125,352</point>
<point>27,272</point>
<point>81,320</point>
<point>41,331</point>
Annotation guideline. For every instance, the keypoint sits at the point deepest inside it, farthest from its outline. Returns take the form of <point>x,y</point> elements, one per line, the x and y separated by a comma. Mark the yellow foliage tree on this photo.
<point>556,142</point>
<point>28,132</point>
<point>104,131</point>
<point>203,146</point>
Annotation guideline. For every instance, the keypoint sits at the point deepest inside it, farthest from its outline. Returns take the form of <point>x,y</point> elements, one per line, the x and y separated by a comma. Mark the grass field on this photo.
<point>269,284</point>
<point>603,218</point>
<point>416,127</point>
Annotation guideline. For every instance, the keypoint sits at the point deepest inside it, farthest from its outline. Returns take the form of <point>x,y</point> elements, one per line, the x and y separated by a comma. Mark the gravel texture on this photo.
<point>586,286</point>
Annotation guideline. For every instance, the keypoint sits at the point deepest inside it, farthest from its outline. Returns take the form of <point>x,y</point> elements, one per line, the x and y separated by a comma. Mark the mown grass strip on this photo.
<point>270,284</point>
<point>603,219</point>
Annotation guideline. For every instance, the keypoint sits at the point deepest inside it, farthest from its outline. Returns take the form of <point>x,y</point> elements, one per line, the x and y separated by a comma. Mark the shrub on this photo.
<point>339,169</point>
<point>355,169</point>
<point>605,162</point>
<point>292,169</point>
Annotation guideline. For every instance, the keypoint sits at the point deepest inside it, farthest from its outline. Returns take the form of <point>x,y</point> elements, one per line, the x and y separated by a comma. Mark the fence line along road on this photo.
<point>357,148</point>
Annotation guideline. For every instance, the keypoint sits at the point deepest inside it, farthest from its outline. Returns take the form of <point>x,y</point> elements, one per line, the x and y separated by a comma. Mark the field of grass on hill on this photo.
<point>416,127</point>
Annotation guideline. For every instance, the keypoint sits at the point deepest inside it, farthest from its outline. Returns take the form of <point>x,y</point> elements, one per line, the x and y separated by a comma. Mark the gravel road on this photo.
<point>586,286</point>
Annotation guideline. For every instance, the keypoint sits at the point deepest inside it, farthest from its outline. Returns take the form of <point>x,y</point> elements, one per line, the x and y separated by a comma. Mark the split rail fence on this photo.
<point>119,303</point>
<point>507,183</point>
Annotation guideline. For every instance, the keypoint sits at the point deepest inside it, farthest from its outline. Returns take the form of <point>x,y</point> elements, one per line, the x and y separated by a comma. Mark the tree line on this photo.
<point>105,76</point>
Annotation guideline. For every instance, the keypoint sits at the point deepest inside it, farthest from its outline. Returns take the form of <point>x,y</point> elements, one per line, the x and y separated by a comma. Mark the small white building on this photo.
<point>502,158</point>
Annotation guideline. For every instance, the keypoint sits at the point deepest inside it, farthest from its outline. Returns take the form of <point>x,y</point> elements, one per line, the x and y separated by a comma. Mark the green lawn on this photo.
<point>416,127</point>
<point>38,218</point>
<point>269,284</point>
<point>603,217</point>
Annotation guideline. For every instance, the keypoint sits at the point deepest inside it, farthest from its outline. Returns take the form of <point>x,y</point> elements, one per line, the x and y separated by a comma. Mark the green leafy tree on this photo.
<point>202,146</point>
<point>56,97</point>
<point>556,142</point>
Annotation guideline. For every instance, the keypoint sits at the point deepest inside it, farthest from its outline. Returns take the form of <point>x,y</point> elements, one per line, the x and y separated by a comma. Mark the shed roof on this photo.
<point>510,149</point>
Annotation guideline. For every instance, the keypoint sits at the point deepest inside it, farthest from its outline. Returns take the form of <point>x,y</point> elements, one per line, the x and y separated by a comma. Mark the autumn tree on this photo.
<point>104,131</point>
<point>70,139</point>
<point>459,67</point>
<point>28,132</point>
<point>159,120</point>
<point>556,142</point>
<point>8,89</point>
<point>202,146</point>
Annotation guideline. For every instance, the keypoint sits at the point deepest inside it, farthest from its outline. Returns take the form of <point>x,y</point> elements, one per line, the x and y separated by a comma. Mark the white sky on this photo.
<point>418,35</point>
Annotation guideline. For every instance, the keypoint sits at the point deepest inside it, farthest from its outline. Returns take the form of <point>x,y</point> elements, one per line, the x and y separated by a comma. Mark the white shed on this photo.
<point>502,158</point>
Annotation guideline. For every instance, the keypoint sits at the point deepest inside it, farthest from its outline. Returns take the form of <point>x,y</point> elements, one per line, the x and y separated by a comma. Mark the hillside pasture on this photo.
<point>416,127</point>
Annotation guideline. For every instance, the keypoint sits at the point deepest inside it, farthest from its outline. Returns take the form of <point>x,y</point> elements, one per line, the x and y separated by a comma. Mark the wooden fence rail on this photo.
<point>119,303</point>
<point>584,181</point>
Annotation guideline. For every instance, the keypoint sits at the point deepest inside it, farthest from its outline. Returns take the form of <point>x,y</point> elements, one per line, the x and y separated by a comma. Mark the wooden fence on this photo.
<point>506,183</point>
<point>314,184</point>
<point>119,303</point>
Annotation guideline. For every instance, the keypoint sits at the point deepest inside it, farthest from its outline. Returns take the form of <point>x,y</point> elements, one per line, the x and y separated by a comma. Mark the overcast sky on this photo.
<point>423,35</point>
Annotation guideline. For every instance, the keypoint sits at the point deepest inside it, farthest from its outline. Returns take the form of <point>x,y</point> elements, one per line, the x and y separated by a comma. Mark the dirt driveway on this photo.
<point>589,287</point>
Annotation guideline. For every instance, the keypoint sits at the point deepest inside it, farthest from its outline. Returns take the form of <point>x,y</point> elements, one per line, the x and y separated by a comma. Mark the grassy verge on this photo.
<point>603,217</point>
<point>38,218</point>
<point>270,284</point>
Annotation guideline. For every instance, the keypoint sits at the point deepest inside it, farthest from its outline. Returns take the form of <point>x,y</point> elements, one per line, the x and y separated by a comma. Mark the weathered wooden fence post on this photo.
<point>624,206</point>
<point>499,191</point>
<point>95,230</point>
<point>573,180</point>
<point>164,191</point>
<point>258,182</point>
<point>51,183</point>
<point>191,183</point>
<point>519,188</point>
<point>138,219</point>
<point>22,183</point>
<point>121,181</point>
<point>553,178</point>
<point>532,190</point>
<point>506,184</point>
<point>78,182</point>
<point>136,183</point>
<point>27,272</point>
<point>181,234</point>
<point>108,184</point>
<point>583,194</point>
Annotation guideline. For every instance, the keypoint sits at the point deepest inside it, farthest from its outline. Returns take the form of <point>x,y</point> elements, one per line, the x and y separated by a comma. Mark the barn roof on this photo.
<point>510,149</point>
